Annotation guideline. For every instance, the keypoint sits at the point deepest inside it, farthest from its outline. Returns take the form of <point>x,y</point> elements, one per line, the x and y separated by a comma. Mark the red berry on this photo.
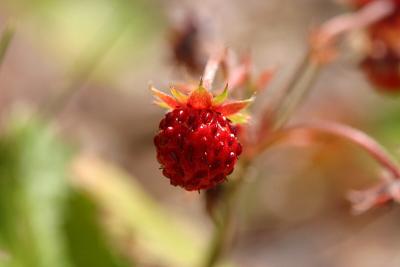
<point>197,148</point>
<point>382,62</point>
<point>384,72</point>
<point>197,143</point>
<point>362,3</point>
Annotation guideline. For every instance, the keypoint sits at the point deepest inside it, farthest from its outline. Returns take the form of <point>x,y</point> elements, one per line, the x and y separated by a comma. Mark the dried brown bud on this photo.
<point>186,45</point>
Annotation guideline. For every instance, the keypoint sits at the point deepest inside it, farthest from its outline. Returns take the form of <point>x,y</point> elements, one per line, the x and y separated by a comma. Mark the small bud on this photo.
<point>186,45</point>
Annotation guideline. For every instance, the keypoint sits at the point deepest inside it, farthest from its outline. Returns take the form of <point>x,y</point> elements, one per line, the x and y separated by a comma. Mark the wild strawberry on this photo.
<point>197,144</point>
<point>382,63</point>
<point>362,3</point>
<point>383,72</point>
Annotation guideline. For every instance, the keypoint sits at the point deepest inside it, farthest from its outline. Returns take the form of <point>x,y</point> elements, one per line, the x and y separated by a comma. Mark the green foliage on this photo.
<point>46,223</point>
<point>387,129</point>
<point>43,222</point>
<point>86,241</point>
<point>159,237</point>
<point>93,34</point>
<point>32,193</point>
<point>5,41</point>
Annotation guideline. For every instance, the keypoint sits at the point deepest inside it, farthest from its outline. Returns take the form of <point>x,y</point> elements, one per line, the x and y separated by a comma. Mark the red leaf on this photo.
<point>167,99</point>
<point>233,107</point>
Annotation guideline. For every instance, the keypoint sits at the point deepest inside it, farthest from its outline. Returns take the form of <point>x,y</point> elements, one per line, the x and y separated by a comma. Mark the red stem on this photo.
<point>211,69</point>
<point>373,12</point>
<point>353,135</point>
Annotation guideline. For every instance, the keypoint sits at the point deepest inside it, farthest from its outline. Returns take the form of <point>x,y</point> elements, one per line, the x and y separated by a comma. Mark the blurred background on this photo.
<point>79,182</point>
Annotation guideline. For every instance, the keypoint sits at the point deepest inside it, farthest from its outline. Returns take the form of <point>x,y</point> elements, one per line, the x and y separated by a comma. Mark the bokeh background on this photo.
<point>79,181</point>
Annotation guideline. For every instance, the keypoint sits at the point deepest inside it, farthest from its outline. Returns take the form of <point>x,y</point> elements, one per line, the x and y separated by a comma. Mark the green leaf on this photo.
<point>159,236</point>
<point>86,239</point>
<point>219,99</point>
<point>239,118</point>
<point>32,192</point>
<point>5,41</point>
<point>181,97</point>
<point>96,37</point>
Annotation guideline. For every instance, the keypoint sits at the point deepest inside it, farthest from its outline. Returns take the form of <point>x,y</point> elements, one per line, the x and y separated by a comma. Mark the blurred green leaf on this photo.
<point>87,243</point>
<point>43,223</point>
<point>5,41</point>
<point>160,237</point>
<point>32,192</point>
<point>386,127</point>
<point>93,33</point>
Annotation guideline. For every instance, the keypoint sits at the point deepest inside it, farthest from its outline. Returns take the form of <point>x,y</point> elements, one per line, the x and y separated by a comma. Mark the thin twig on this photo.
<point>369,14</point>
<point>301,82</point>
<point>224,226</point>
<point>211,68</point>
<point>270,113</point>
<point>326,37</point>
<point>82,71</point>
<point>293,95</point>
<point>297,92</point>
<point>357,137</point>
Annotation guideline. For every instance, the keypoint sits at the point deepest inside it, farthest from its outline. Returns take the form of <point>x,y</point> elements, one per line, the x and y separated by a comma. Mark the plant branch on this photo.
<point>289,98</point>
<point>320,52</point>
<point>367,15</point>
<point>324,39</point>
<point>297,92</point>
<point>223,227</point>
<point>211,68</point>
<point>357,137</point>
<point>84,67</point>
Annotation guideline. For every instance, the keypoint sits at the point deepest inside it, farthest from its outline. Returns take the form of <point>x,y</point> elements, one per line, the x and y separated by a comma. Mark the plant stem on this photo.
<point>84,67</point>
<point>278,113</point>
<point>357,137</point>
<point>297,92</point>
<point>219,239</point>
<point>224,226</point>
<point>271,109</point>
<point>5,41</point>
<point>372,12</point>
<point>211,68</point>
<point>300,83</point>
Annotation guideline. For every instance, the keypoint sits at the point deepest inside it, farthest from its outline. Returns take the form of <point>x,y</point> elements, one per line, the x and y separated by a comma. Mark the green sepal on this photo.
<point>219,99</point>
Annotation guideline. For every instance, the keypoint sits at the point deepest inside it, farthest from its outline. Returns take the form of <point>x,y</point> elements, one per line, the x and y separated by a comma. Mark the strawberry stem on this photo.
<point>297,91</point>
<point>357,137</point>
<point>224,226</point>
<point>386,190</point>
<point>85,66</point>
<point>211,69</point>
<point>372,12</point>
<point>290,97</point>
